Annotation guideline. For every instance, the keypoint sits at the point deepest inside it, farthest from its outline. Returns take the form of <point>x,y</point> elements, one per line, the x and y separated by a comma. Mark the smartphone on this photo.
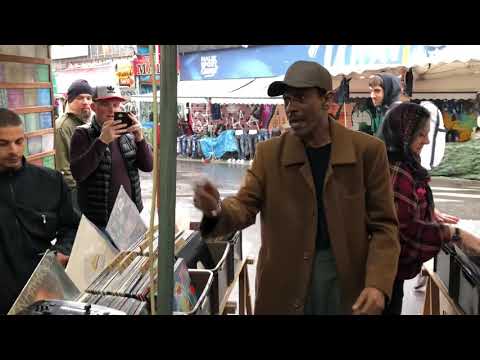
<point>123,116</point>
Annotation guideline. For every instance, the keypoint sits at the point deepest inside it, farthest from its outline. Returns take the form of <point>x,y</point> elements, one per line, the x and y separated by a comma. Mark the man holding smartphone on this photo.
<point>107,154</point>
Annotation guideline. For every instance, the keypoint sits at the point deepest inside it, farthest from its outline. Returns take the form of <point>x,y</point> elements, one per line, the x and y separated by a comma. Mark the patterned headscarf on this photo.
<point>400,125</point>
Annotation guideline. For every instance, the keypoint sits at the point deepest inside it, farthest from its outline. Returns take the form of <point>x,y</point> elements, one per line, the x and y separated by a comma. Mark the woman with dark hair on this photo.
<point>422,229</point>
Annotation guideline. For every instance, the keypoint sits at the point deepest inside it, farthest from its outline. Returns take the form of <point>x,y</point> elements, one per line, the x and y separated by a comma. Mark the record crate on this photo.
<point>469,282</point>
<point>202,280</point>
<point>448,269</point>
<point>235,256</point>
<point>219,252</point>
<point>214,255</point>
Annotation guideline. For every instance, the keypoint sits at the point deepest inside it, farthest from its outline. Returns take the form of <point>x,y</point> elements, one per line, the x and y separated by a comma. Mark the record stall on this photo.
<point>118,270</point>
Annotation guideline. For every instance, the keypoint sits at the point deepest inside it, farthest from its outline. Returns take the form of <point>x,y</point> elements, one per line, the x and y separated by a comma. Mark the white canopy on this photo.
<point>235,91</point>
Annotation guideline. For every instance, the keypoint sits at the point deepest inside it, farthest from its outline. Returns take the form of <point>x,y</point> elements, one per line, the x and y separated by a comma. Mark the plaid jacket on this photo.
<point>421,236</point>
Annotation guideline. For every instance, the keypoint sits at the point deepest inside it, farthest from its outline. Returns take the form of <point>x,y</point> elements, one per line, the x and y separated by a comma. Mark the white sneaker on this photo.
<point>229,161</point>
<point>242,161</point>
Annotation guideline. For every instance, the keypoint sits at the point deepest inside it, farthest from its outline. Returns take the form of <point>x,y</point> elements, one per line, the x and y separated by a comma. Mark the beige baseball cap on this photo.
<point>107,93</point>
<point>302,74</point>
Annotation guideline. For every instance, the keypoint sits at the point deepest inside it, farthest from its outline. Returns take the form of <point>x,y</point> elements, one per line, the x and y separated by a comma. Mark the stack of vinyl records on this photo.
<point>127,276</point>
<point>129,306</point>
<point>124,284</point>
<point>182,238</point>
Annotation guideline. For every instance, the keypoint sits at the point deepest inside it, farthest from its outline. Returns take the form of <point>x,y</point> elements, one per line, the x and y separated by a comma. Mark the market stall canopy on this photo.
<point>233,91</point>
<point>440,72</point>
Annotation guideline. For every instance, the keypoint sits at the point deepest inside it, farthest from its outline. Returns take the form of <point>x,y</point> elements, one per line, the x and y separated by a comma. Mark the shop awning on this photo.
<point>96,76</point>
<point>234,91</point>
<point>444,72</point>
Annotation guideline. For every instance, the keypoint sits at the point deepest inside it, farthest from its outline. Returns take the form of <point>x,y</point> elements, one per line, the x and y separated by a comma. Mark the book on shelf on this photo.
<point>29,97</point>
<point>34,144</point>
<point>3,98</point>
<point>30,122</point>
<point>47,142</point>
<point>42,73</point>
<point>46,120</point>
<point>15,98</point>
<point>43,97</point>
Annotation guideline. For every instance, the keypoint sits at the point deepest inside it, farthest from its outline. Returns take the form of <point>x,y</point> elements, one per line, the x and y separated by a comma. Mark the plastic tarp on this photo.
<point>218,146</point>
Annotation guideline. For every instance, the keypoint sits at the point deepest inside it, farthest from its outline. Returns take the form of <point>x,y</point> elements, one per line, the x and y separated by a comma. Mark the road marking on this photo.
<point>439,188</point>
<point>465,196</point>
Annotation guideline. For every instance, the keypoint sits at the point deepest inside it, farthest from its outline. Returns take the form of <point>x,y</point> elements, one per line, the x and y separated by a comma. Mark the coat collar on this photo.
<point>342,151</point>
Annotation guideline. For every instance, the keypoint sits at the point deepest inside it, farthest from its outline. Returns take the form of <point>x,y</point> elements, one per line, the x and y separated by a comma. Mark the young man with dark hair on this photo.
<point>329,230</point>
<point>384,91</point>
<point>35,209</point>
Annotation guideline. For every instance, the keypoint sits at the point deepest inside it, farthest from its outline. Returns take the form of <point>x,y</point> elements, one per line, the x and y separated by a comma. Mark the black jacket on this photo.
<point>35,208</point>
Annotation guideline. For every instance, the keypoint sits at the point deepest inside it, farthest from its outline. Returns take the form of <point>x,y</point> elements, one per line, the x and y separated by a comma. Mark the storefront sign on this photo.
<point>270,61</point>
<point>125,75</point>
<point>141,66</point>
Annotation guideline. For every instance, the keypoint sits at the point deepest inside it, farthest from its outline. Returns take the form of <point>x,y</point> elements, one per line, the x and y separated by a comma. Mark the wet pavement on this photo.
<point>453,196</point>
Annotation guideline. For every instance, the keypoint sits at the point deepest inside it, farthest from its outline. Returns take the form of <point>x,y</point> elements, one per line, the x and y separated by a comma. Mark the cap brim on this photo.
<point>277,88</point>
<point>110,98</point>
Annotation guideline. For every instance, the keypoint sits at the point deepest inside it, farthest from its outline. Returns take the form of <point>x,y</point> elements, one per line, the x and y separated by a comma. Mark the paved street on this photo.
<point>456,197</point>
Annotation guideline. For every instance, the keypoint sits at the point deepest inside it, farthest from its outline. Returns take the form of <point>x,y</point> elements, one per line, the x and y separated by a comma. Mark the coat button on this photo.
<point>306,256</point>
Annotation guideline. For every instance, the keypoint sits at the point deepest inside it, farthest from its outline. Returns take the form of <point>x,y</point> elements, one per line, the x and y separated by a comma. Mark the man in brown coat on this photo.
<point>328,223</point>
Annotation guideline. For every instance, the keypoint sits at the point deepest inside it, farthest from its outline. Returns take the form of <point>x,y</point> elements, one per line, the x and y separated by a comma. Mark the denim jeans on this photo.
<point>252,140</point>
<point>243,146</point>
<point>183,145</point>
<point>196,149</point>
<point>263,135</point>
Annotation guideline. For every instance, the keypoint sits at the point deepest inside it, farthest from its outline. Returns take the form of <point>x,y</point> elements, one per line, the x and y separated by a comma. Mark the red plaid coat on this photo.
<point>421,236</point>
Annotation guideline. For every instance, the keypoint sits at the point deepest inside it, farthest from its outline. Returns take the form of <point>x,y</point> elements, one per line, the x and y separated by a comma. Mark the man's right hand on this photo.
<point>206,197</point>
<point>111,130</point>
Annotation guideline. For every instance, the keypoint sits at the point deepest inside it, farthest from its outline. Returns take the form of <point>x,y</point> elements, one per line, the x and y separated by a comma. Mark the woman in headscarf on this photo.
<point>422,229</point>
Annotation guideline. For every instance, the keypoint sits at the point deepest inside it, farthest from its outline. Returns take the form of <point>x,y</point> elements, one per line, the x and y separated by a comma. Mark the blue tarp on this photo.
<point>218,146</point>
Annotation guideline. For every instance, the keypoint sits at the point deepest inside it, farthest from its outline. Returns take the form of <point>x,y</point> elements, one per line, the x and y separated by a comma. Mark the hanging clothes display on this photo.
<point>279,119</point>
<point>216,112</point>
<point>266,112</point>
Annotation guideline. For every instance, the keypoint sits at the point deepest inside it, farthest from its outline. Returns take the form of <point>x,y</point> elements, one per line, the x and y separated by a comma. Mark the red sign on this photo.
<point>141,65</point>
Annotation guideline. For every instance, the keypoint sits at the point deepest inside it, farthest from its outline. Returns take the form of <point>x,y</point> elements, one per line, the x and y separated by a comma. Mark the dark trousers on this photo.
<point>324,297</point>
<point>394,307</point>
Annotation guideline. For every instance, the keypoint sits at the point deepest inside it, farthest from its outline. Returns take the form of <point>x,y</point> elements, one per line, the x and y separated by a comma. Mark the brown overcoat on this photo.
<point>359,209</point>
